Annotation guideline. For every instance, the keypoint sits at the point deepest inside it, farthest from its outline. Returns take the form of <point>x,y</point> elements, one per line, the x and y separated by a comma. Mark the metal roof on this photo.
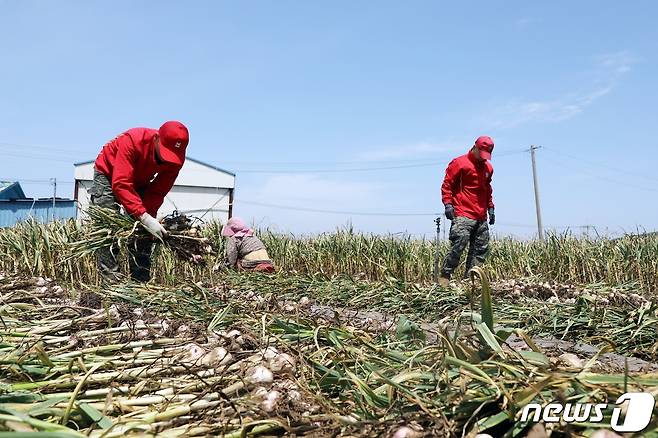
<point>11,190</point>
<point>186,158</point>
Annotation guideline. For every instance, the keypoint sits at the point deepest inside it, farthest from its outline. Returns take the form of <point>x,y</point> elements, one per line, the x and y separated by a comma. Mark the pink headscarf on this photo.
<point>235,227</point>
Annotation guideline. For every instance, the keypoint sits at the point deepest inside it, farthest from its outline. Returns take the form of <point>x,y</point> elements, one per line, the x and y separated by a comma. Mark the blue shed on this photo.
<point>15,207</point>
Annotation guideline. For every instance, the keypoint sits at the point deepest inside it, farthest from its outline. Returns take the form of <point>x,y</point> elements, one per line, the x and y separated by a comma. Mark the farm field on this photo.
<point>349,338</point>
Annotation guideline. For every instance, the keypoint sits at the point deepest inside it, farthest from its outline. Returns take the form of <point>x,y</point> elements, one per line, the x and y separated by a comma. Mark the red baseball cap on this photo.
<point>174,138</point>
<point>485,144</point>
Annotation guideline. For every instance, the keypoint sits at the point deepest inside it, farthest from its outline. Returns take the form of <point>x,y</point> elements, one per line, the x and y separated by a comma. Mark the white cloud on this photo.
<point>517,113</point>
<point>421,149</point>
<point>618,62</point>
<point>609,70</point>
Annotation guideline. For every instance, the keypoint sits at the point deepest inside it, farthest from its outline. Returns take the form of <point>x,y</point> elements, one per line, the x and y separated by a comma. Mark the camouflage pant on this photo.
<point>465,231</point>
<point>140,249</point>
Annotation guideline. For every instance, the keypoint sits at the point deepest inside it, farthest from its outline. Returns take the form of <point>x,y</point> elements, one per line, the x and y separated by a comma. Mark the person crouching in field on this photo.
<point>243,249</point>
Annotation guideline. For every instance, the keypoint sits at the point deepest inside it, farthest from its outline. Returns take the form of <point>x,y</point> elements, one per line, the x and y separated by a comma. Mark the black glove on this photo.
<point>450,211</point>
<point>492,216</point>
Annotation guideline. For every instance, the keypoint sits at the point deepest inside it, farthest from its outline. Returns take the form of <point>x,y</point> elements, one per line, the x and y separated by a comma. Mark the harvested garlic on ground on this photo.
<point>406,432</point>
<point>193,353</point>
<point>270,353</point>
<point>140,329</point>
<point>270,402</point>
<point>259,375</point>
<point>216,357</point>
<point>259,393</point>
<point>283,363</point>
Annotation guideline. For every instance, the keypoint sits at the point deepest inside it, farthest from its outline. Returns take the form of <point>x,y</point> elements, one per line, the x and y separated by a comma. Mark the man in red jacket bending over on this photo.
<point>467,196</point>
<point>124,176</point>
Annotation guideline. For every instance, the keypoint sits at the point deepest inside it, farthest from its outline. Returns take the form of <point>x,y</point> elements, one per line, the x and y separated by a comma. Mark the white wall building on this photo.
<point>200,190</point>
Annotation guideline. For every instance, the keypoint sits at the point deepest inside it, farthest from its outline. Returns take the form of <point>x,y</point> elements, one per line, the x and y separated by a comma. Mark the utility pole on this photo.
<point>540,229</point>
<point>54,180</point>
<point>437,221</point>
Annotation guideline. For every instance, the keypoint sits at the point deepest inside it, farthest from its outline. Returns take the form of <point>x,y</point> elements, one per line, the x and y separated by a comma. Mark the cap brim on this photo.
<point>227,231</point>
<point>172,157</point>
<point>484,154</point>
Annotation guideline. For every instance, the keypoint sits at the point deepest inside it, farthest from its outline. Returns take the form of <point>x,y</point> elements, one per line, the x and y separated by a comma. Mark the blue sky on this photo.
<point>310,88</point>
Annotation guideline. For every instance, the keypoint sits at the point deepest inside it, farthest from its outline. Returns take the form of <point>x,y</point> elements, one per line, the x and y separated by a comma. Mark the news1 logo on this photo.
<point>637,406</point>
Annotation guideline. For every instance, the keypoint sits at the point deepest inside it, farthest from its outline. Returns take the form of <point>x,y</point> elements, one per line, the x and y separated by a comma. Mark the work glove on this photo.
<point>152,225</point>
<point>492,216</point>
<point>450,211</point>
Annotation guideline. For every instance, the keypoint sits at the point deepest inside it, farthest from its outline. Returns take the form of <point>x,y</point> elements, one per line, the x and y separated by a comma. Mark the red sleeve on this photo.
<point>490,202</point>
<point>158,189</point>
<point>452,175</point>
<point>123,178</point>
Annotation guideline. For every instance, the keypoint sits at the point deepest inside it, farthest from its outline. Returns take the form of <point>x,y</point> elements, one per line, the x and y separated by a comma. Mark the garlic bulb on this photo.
<point>259,393</point>
<point>192,353</point>
<point>216,357</point>
<point>406,432</point>
<point>165,326</point>
<point>102,316</point>
<point>259,375</point>
<point>140,329</point>
<point>271,401</point>
<point>270,353</point>
<point>283,363</point>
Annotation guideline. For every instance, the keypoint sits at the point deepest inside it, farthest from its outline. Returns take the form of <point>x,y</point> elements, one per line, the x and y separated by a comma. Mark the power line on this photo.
<point>37,157</point>
<point>606,166</point>
<point>364,161</point>
<point>601,177</point>
<point>381,214</point>
<point>317,210</point>
<point>361,169</point>
<point>50,153</point>
<point>44,148</point>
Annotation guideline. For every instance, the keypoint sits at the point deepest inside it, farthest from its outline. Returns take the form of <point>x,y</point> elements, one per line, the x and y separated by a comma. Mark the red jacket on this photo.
<point>129,162</point>
<point>467,186</point>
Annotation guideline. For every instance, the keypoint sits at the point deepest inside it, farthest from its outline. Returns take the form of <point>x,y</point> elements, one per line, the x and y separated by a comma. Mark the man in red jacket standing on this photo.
<point>467,196</point>
<point>135,171</point>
